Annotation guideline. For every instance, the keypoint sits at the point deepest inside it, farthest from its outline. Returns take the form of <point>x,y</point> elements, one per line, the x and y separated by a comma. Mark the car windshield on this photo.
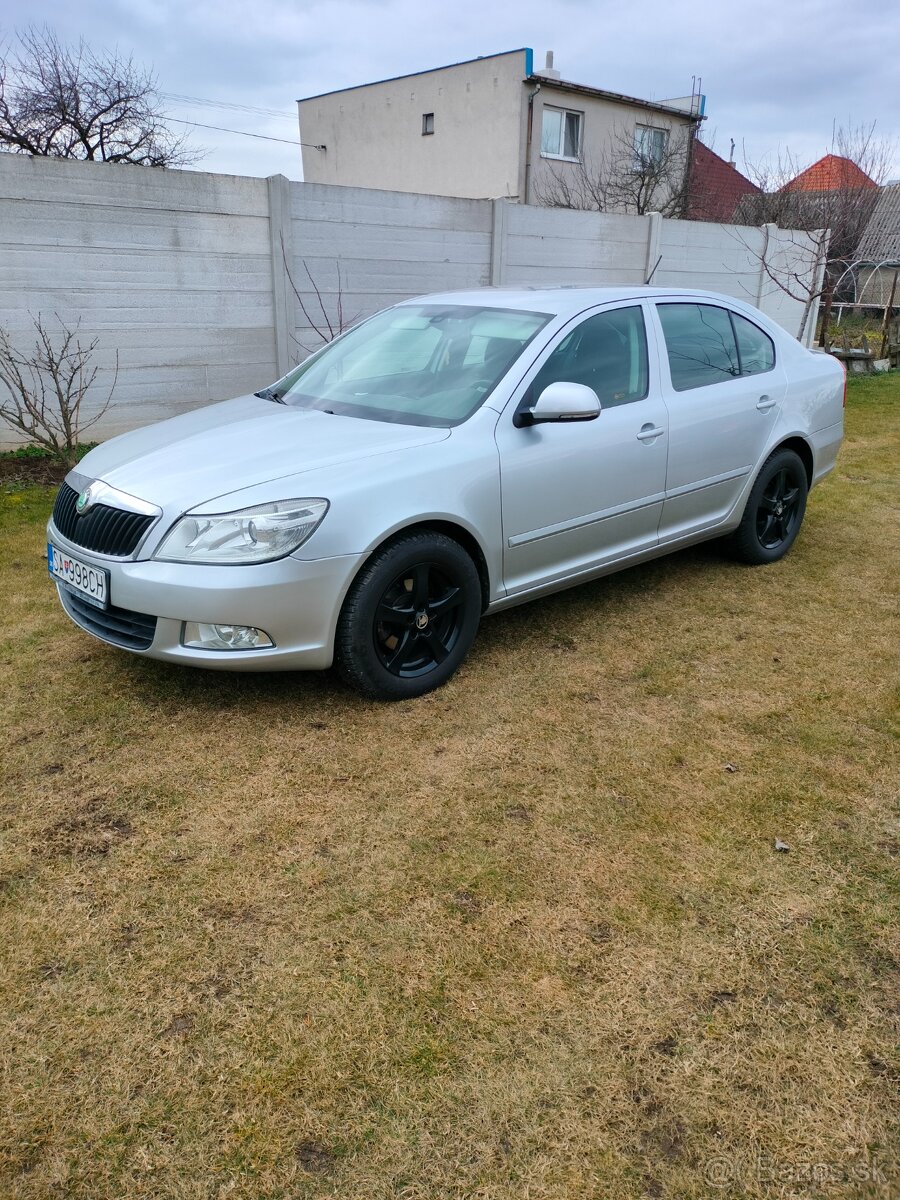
<point>418,364</point>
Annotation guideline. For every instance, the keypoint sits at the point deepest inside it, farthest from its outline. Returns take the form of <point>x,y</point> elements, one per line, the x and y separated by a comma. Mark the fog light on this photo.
<point>198,636</point>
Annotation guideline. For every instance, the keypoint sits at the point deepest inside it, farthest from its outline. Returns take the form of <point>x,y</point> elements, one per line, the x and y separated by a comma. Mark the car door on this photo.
<point>577,494</point>
<point>723,388</point>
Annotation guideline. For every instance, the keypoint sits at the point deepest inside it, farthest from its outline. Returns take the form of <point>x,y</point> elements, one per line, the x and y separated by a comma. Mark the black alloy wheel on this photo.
<point>777,511</point>
<point>409,618</point>
<point>418,621</point>
<point>774,511</point>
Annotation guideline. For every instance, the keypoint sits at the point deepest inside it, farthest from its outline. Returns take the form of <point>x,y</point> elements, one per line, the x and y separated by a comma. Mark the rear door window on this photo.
<point>701,345</point>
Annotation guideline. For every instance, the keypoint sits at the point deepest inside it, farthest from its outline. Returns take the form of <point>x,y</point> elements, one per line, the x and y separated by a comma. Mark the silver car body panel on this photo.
<point>542,507</point>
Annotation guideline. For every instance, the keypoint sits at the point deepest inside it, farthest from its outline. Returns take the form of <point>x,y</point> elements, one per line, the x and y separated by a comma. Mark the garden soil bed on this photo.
<point>31,470</point>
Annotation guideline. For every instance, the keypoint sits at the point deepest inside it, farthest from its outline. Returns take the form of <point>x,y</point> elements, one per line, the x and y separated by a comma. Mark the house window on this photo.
<point>561,134</point>
<point>650,145</point>
<point>427,123</point>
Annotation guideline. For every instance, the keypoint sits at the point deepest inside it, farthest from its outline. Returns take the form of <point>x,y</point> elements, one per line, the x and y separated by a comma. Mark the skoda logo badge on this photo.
<point>84,501</point>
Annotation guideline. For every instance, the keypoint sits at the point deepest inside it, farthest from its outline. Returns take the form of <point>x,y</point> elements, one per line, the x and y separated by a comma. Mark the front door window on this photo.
<point>607,352</point>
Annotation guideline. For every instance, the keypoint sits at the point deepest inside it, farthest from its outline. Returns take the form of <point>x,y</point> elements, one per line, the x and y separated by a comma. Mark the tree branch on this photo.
<point>62,102</point>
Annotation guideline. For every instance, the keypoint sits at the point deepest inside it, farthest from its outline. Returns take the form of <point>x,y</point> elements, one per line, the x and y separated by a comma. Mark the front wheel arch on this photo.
<point>409,617</point>
<point>456,533</point>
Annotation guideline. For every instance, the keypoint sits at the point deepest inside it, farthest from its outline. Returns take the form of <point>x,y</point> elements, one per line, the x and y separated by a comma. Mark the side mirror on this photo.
<point>562,402</point>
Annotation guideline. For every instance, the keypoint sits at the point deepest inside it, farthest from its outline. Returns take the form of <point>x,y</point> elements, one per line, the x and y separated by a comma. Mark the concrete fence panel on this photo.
<point>191,280</point>
<point>546,246</point>
<point>364,250</point>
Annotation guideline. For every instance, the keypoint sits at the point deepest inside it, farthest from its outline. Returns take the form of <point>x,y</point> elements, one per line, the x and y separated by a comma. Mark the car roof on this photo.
<point>567,301</point>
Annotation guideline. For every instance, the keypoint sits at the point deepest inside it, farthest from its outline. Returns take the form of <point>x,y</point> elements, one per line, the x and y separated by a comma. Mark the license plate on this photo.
<point>91,583</point>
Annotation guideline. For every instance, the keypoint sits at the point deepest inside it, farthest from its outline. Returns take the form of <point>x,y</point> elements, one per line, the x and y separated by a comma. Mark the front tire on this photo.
<point>774,512</point>
<point>410,617</point>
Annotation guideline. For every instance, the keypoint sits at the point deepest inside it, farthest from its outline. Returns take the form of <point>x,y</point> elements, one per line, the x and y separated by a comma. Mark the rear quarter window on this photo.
<point>757,350</point>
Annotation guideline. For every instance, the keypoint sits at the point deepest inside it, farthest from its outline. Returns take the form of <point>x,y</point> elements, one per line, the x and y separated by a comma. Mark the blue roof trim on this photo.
<point>529,60</point>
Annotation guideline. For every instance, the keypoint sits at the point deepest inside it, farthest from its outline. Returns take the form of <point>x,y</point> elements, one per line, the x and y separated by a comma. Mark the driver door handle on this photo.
<point>649,432</point>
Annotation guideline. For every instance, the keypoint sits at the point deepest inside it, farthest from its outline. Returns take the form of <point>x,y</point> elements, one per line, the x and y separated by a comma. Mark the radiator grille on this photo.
<point>103,529</point>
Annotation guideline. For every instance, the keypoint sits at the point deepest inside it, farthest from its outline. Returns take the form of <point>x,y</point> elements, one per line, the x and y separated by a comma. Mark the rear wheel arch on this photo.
<point>774,510</point>
<point>804,452</point>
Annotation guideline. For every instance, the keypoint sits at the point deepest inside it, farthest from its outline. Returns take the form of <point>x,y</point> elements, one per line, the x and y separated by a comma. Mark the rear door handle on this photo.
<point>765,402</point>
<point>649,432</point>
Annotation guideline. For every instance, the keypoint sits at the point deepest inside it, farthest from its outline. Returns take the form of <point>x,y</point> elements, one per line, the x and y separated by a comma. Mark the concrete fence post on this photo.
<point>654,234</point>
<point>281,253</point>
<point>498,241</point>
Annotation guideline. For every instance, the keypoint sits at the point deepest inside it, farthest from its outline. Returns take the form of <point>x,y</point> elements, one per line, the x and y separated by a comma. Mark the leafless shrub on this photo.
<point>624,178</point>
<point>46,388</point>
<point>325,325</point>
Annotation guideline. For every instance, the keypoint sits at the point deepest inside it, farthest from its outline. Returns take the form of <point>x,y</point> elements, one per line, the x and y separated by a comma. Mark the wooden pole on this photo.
<point>888,316</point>
<point>826,314</point>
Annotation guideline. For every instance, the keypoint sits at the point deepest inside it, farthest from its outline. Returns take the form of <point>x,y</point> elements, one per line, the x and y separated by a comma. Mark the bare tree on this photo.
<point>46,388</point>
<point>828,218</point>
<point>72,102</point>
<point>844,207</point>
<point>631,176</point>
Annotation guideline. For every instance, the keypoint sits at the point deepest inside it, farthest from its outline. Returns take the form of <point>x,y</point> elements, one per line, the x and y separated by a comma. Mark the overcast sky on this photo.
<point>777,73</point>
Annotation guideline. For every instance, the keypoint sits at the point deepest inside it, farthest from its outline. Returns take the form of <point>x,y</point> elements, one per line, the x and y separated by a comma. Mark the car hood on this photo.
<point>223,448</point>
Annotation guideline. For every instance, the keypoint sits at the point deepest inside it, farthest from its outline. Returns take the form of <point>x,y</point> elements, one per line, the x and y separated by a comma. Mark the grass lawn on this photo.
<point>526,939</point>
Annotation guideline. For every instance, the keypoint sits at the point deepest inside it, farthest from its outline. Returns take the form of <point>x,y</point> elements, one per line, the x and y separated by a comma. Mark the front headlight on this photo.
<point>252,535</point>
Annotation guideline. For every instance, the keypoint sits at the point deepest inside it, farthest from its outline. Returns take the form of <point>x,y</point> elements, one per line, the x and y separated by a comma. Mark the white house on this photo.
<point>491,127</point>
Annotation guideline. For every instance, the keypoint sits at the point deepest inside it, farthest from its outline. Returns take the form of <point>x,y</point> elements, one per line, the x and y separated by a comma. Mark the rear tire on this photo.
<point>774,511</point>
<point>410,617</point>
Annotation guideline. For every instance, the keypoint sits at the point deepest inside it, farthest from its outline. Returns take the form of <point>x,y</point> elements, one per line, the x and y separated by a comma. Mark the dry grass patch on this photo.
<point>527,937</point>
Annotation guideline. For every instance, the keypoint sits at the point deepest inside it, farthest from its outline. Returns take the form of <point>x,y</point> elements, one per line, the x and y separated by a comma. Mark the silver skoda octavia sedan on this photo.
<point>449,457</point>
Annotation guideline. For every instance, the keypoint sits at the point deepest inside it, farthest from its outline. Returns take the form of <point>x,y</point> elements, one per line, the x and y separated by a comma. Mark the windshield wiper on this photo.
<point>269,394</point>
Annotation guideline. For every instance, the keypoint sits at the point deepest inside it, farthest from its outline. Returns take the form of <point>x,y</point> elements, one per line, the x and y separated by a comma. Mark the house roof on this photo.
<point>583,89</point>
<point>531,76</point>
<point>830,174</point>
<point>428,71</point>
<point>880,243</point>
<point>717,186</point>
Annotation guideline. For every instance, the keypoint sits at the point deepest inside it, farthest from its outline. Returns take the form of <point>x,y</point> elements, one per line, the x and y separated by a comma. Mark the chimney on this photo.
<point>547,72</point>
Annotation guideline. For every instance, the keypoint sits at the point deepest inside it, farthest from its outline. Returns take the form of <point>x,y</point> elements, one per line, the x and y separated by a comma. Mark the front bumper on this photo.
<point>296,601</point>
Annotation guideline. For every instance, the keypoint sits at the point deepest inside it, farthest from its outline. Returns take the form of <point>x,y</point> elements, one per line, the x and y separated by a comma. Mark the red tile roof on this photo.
<point>717,187</point>
<point>830,174</point>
